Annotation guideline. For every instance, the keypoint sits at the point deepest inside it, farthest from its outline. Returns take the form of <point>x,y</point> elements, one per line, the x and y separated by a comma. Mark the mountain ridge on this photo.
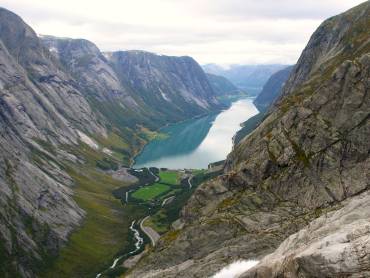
<point>249,78</point>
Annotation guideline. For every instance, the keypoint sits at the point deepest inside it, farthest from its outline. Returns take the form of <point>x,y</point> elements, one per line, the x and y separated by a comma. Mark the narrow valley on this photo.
<point>224,148</point>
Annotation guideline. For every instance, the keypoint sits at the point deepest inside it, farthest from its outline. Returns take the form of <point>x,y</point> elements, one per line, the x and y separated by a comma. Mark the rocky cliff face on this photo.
<point>333,245</point>
<point>63,103</point>
<point>39,103</point>
<point>176,86</point>
<point>272,89</point>
<point>303,161</point>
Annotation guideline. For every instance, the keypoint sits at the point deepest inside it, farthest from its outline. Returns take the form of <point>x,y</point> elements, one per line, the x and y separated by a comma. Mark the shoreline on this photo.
<point>133,159</point>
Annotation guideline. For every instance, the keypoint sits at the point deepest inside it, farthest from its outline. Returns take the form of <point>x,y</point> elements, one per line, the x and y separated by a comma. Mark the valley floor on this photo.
<point>153,201</point>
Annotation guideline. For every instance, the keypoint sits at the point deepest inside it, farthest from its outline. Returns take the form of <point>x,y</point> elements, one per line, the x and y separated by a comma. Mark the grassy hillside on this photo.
<point>105,229</point>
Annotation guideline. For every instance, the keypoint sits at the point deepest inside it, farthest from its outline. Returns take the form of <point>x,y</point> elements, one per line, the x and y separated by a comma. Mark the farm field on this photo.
<point>170,177</point>
<point>150,192</point>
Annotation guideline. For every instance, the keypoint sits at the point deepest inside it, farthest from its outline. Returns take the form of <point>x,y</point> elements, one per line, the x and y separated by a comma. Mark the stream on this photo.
<point>139,241</point>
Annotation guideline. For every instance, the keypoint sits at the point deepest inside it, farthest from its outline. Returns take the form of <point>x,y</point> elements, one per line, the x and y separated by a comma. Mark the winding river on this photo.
<point>197,142</point>
<point>139,241</point>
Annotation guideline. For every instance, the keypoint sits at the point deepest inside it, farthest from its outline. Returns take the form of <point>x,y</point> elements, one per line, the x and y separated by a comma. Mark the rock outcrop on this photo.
<point>336,244</point>
<point>308,156</point>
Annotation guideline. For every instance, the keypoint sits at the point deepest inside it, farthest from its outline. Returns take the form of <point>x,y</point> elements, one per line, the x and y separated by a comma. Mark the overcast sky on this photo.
<point>211,31</point>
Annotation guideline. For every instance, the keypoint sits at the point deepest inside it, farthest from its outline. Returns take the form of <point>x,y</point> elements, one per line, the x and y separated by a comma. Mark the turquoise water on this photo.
<point>196,143</point>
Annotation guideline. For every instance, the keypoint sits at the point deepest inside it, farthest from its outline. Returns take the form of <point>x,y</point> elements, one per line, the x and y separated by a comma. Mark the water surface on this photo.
<point>196,143</point>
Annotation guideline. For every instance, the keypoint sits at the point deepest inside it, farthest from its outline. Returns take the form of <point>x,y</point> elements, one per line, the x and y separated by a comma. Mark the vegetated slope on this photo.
<point>270,92</point>
<point>221,85</point>
<point>250,78</point>
<point>305,159</point>
<point>65,112</point>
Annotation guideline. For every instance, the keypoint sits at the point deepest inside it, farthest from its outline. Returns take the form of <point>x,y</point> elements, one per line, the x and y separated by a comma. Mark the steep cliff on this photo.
<point>41,107</point>
<point>308,156</point>
<point>176,86</point>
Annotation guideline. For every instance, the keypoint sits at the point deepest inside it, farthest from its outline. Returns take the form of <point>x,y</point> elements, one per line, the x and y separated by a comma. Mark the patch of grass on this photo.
<point>118,145</point>
<point>161,221</point>
<point>229,202</point>
<point>171,236</point>
<point>169,177</point>
<point>170,193</point>
<point>158,222</point>
<point>150,192</point>
<point>152,135</point>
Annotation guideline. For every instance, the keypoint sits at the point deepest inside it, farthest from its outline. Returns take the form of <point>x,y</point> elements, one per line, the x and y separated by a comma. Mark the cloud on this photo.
<point>269,9</point>
<point>212,31</point>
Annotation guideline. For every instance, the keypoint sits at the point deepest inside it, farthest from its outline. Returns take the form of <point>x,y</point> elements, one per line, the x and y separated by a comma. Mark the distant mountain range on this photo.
<point>250,78</point>
<point>269,94</point>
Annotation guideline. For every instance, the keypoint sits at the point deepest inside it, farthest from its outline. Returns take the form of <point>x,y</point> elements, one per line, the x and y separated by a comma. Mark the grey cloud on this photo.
<point>222,31</point>
<point>288,9</point>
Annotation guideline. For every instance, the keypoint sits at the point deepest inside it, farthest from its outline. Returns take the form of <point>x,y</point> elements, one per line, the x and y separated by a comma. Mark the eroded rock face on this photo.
<point>336,244</point>
<point>307,157</point>
<point>176,83</point>
<point>39,103</point>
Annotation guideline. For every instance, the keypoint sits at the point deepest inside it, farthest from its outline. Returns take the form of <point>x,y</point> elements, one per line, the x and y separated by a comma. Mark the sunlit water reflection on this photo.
<point>198,142</point>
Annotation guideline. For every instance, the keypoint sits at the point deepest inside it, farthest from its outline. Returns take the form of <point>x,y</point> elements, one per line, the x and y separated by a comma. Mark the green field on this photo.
<point>150,192</point>
<point>170,177</point>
